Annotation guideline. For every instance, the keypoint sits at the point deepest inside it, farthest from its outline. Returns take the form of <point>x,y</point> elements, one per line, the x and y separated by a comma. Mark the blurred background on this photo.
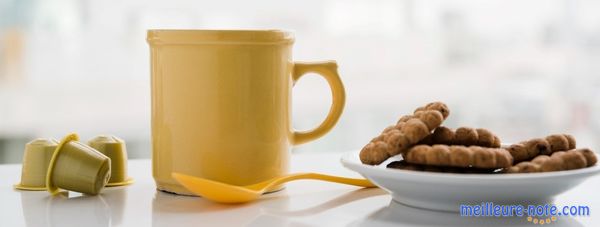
<point>521,68</point>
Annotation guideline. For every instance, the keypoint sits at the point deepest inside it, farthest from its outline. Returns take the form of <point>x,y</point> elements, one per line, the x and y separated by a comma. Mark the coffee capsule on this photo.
<point>36,158</point>
<point>114,148</point>
<point>77,167</point>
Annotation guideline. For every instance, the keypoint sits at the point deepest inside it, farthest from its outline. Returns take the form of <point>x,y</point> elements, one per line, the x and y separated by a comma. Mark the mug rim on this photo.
<point>217,36</point>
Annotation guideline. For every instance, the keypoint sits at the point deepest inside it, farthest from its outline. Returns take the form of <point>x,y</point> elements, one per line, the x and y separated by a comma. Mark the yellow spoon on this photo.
<point>226,193</point>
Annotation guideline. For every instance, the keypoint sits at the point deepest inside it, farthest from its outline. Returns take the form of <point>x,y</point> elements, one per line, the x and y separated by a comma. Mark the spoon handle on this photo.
<point>323,177</point>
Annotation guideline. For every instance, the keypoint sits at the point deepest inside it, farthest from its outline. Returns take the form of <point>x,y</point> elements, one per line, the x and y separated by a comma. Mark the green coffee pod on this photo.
<point>36,159</point>
<point>114,148</point>
<point>77,167</point>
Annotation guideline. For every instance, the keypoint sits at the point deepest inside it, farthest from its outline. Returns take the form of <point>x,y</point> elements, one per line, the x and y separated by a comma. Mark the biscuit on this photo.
<point>557,161</point>
<point>377,151</point>
<point>440,169</point>
<point>459,156</point>
<point>439,106</point>
<point>462,136</point>
<point>527,150</point>
<point>408,131</point>
<point>560,142</point>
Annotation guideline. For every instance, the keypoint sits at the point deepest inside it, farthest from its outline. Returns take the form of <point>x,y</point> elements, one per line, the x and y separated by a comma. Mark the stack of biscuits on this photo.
<point>425,145</point>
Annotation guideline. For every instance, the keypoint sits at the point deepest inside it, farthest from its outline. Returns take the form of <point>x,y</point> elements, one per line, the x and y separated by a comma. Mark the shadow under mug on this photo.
<point>221,104</point>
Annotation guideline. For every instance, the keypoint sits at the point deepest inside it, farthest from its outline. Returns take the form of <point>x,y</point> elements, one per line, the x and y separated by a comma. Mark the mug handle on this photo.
<point>328,70</point>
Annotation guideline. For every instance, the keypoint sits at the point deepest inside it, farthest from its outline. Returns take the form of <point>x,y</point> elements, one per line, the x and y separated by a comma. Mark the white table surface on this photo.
<point>302,203</point>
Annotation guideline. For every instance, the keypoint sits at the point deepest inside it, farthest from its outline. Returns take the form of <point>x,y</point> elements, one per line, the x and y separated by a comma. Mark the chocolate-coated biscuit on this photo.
<point>441,169</point>
<point>459,156</point>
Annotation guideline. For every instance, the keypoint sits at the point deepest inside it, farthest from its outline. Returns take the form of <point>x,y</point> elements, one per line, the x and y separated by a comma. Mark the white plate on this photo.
<point>447,191</point>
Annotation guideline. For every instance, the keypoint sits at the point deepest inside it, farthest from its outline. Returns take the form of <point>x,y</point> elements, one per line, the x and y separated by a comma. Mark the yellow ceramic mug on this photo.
<point>221,104</point>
